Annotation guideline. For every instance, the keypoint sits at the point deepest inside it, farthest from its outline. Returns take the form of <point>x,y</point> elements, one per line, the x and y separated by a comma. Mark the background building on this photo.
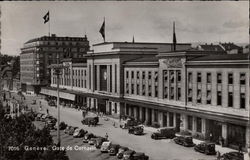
<point>37,54</point>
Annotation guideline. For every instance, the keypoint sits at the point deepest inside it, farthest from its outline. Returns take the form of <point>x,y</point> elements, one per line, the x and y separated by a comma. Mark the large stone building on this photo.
<point>37,54</point>
<point>203,92</point>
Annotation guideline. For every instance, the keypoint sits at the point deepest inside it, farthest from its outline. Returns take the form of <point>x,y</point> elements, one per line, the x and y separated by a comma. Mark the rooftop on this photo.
<point>222,57</point>
<point>210,47</point>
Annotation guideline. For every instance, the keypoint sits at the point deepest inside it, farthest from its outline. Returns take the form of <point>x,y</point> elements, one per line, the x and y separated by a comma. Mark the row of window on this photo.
<point>230,78</point>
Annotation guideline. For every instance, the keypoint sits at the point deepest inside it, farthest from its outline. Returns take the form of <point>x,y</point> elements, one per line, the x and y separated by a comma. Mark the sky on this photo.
<point>206,22</point>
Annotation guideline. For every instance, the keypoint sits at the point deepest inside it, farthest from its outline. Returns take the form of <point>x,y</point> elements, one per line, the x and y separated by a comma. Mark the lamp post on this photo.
<point>57,71</point>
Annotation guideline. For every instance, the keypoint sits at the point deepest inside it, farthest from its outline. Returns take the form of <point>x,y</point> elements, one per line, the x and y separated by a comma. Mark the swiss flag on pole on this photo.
<point>46,17</point>
<point>102,30</point>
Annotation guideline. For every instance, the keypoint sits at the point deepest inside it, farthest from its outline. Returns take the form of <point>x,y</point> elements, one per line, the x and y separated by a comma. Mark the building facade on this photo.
<point>205,93</point>
<point>37,54</point>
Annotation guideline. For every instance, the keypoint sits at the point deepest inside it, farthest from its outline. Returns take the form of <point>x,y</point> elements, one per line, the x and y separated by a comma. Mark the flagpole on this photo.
<point>104,30</point>
<point>49,23</point>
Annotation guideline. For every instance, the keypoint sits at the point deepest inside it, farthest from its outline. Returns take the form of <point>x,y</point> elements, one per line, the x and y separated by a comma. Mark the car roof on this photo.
<point>139,153</point>
<point>107,142</point>
<point>129,151</point>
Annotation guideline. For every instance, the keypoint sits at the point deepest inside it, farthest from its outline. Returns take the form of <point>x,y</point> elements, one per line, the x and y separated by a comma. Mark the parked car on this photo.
<point>51,103</point>
<point>66,131</point>
<point>206,147</point>
<point>136,130</point>
<point>233,156</point>
<point>113,150</point>
<point>90,120</point>
<point>128,155</point>
<point>38,117</point>
<point>168,132</point>
<point>105,146</point>
<point>121,151</point>
<point>186,141</point>
<point>87,137</point>
<point>140,156</point>
<point>72,130</point>
<point>79,133</point>
<point>62,126</point>
<point>44,117</point>
<point>99,141</point>
<point>92,141</point>
<point>129,122</point>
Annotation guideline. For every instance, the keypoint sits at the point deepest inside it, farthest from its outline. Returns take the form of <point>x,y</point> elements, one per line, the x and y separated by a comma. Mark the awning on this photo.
<point>63,95</point>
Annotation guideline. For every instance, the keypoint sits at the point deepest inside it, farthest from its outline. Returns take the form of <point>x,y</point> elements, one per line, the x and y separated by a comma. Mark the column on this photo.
<point>194,124</point>
<point>135,112</point>
<point>203,126</point>
<point>146,116</point>
<point>160,118</point>
<point>224,90</point>
<point>167,119</point>
<point>108,78</point>
<point>185,123</point>
<point>174,119</point>
<point>224,133</point>
<point>153,115</point>
<point>236,90</point>
<point>98,77</point>
<point>214,89</point>
<point>140,113</point>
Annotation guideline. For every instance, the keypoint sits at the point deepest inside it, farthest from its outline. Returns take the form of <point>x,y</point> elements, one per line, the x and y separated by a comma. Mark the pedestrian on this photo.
<point>114,124</point>
<point>47,111</point>
<point>240,148</point>
<point>106,136</point>
<point>218,155</point>
<point>210,137</point>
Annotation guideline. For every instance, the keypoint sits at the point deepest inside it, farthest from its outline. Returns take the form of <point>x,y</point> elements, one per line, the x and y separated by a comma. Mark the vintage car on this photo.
<point>206,147</point>
<point>66,131</point>
<point>90,120</point>
<point>168,132</point>
<point>72,130</point>
<point>186,141</point>
<point>87,137</point>
<point>232,156</point>
<point>136,130</point>
<point>62,126</point>
<point>105,146</point>
<point>128,155</point>
<point>113,150</point>
<point>129,122</point>
<point>51,103</point>
<point>121,151</point>
<point>140,156</point>
<point>92,141</point>
<point>99,141</point>
<point>38,117</point>
<point>79,133</point>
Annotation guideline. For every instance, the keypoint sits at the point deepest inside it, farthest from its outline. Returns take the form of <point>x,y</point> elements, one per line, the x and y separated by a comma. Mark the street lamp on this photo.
<point>57,71</point>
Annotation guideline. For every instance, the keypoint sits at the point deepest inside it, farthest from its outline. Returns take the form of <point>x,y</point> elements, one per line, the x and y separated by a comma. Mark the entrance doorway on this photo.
<point>214,130</point>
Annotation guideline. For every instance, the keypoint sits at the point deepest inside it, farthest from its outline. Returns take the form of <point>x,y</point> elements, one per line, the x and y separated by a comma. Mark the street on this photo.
<point>164,149</point>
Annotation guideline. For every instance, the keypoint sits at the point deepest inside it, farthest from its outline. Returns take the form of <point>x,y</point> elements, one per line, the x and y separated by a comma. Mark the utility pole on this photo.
<point>57,71</point>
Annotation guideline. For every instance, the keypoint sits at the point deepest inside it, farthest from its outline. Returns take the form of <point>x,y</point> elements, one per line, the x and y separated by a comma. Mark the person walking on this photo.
<point>47,111</point>
<point>106,136</point>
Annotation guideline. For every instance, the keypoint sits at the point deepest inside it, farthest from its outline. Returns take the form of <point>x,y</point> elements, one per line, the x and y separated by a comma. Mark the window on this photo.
<point>190,77</point>
<point>198,77</point>
<point>219,98</point>
<point>178,76</point>
<point>242,100</point>
<point>209,97</point>
<point>156,91</point>
<point>172,76</point>
<point>143,90</point>
<point>127,88</point>
<point>156,115</point>
<point>156,76</point>
<point>138,75</point>
<point>132,89</point>
<point>230,78</point>
<point>172,93</point>
<point>198,124</point>
<point>230,99</point>
<point>219,78</point>
<point>179,94</point>
<point>149,91</point>
<point>190,95</point>
<point>190,123</point>
<point>208,77</point>
<point>149,75</point>
<point>165,75</point>
<point>198,96</point>
<point>126,74</point>
<point>143,74</point>
<point>165,92</point>
<point>242,79</point>
<point>137,89</point>
<point>132,74</point>
<point>115,107</point>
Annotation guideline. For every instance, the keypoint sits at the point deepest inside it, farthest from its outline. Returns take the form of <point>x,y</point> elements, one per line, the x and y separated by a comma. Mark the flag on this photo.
<point>174,37</point>
<point>46,17</point>
<point>102,30</point>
